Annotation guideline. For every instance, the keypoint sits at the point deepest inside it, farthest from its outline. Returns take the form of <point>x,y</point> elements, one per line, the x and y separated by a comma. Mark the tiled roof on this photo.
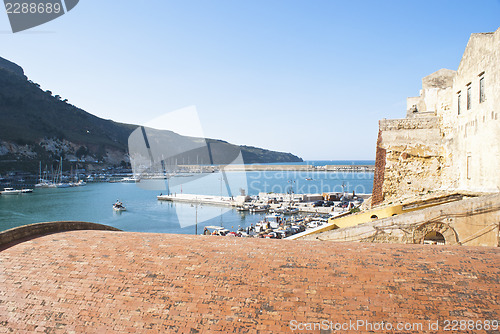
<point>102,282</point>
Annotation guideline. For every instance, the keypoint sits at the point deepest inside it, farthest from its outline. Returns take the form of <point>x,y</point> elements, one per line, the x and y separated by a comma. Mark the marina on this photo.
<point>285,214</point>
<point>145,212</point>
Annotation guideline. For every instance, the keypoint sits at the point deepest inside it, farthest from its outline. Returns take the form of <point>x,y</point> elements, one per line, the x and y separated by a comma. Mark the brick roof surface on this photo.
<point>102,282</point>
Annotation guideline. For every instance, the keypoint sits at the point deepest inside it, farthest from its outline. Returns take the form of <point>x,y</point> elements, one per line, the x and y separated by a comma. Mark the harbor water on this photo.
<point>93,202</point>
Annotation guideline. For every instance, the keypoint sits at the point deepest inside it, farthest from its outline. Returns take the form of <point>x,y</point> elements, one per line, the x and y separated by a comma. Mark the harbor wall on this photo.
<point>311,168</point>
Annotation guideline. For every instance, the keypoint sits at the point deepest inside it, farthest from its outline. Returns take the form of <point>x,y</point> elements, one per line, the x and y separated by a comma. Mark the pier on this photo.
<point>199,199</point>
<point>302,202</point>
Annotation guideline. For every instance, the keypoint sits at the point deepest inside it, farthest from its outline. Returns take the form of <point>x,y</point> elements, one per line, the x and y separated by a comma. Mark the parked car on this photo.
<point>318,203</point>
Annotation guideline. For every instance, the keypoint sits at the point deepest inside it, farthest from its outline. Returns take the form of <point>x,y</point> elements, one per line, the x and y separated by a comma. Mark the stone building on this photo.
<point>436,171</point>
<point>450,138</point>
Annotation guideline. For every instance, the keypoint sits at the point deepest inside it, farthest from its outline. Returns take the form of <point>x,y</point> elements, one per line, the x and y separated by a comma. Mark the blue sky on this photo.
<point>308,77</point>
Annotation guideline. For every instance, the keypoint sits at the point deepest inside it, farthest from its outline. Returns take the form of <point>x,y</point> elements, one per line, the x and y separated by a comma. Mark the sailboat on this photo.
<point>61,184</point>
<point>42,182</point>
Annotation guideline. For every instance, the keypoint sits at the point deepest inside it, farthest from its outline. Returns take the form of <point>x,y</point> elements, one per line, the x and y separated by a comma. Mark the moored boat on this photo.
<point>11,191</point>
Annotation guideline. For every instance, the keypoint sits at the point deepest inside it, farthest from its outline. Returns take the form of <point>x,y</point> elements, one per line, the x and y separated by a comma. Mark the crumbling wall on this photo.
<point>378,177</point>
<point>413,158</point>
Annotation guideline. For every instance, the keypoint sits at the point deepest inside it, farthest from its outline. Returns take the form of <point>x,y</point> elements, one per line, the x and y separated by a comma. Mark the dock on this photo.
<point>303,207</point>
<point>198,199</point>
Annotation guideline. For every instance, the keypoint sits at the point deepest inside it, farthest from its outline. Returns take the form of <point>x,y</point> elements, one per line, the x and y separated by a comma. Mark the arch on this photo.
<point>374,217</point>
<point>434,238</point>
<point>435,232</point>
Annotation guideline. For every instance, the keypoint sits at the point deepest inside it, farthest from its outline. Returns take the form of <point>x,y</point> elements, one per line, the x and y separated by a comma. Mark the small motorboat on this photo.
<point>242,208</point>
<point>118,206</point>
<point>10,191</point>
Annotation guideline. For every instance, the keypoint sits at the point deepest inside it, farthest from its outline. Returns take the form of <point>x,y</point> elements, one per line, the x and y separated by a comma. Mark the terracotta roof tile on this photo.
<point>95,281</point>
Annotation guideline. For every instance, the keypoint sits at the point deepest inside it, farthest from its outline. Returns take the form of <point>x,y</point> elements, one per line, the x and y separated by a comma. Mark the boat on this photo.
<point>43,184</point>
<point>118,206</point>
<point>78,184</point>
<point>242,208</point>
<point>215,230</point>
<point>11,191</point>
<point>131,179</point>
<point>260,209</point>
<point>290,211</point>
<point>26,191</point>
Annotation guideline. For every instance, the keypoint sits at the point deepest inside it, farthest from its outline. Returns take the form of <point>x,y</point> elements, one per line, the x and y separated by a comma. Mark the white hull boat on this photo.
<point>11,191</point>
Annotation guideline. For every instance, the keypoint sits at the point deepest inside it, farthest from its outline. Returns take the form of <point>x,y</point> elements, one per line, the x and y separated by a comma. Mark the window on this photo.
<point>481,90</point>
<point>459,106</point>
<point>469,93</point>
<point>469,161</point>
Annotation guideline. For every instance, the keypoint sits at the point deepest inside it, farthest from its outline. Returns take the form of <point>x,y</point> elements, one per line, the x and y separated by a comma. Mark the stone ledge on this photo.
<point>33,230</point>
<point>409,123</point>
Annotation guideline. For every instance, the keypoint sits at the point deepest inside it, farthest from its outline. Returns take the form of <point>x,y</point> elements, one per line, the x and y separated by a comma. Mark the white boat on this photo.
<point>260,209</point>
<point>118,206</point>
<point>62,185</point>
<point>11,191</point>
<point>215,230</point>
<point>26,191</point>
<point>43,184</point>
<point>131,179</point>
<point>78,184</point>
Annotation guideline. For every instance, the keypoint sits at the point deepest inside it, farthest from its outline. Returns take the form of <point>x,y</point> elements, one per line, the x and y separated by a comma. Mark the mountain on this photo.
<point>37,125</point>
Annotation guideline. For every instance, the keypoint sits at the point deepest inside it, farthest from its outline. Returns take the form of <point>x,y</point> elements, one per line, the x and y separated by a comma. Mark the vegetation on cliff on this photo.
<point>38,125</point>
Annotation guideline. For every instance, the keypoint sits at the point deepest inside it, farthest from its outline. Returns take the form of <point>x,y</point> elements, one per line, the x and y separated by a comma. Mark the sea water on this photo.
<point>93,202</point>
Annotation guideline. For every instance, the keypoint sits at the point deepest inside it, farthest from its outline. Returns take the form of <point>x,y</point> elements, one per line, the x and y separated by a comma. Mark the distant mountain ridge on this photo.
<point>37,125</point>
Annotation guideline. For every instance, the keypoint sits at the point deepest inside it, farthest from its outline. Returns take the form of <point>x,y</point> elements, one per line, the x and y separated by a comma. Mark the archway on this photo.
<point>434,238</point>
<point>435,233</point>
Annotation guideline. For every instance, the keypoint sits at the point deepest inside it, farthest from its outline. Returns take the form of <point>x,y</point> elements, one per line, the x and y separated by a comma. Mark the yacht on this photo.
<point>10,191</point>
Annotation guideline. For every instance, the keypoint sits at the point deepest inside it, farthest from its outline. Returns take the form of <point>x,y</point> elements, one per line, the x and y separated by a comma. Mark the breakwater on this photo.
<point>275,167</point>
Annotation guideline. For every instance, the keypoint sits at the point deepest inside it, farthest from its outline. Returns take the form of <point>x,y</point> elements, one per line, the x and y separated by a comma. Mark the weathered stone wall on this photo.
<point>378,177</point>
<point>475,141</point>
<point>471,222</point>
<point>435,96</point>
<point>436,147</point>
<point>412,158</point>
